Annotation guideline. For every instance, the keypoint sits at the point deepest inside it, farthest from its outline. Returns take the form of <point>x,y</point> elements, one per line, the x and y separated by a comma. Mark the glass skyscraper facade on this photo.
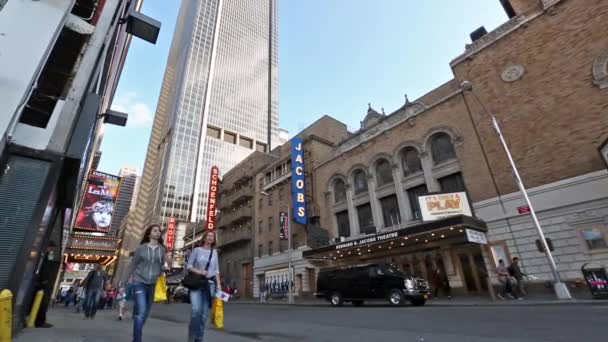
<point>218,104</point>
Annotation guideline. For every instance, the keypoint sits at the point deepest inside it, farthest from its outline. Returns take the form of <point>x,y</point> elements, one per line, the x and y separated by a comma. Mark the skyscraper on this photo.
<point>126,195</point>
<point>218,104</point>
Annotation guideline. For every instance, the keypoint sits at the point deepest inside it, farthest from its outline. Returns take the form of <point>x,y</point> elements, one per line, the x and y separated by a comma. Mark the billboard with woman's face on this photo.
<point>97,205</point>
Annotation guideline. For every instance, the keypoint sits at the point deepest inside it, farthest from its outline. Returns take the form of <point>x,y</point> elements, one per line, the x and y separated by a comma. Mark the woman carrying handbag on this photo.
<point>202,279</point>
<point>145,268</point>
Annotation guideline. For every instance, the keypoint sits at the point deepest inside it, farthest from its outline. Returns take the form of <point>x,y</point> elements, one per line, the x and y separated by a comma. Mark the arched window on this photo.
<point>384,172</point>
<point>410,161</point>
<point>441,148</point>
<point>339,191</point>
<point>360,180</point>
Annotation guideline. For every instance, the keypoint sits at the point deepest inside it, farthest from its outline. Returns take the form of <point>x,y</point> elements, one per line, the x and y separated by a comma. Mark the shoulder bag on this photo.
<point>194,281</point>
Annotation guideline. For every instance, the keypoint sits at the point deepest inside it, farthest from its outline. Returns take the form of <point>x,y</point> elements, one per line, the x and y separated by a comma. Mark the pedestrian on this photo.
<point>441,283</point>
<point>121,300</point>
<point>203,261</point>
<point>69,297</point>
<point>504,279</point>
<point>110,295</point>
<point>94,284</point>
<point>516,273</point>
<point>47,270</point>
<point>145,268</point>
<point>80,297</point>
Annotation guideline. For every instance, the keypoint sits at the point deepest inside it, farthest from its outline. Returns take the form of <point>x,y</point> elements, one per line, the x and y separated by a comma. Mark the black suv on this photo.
<point>375,281</point>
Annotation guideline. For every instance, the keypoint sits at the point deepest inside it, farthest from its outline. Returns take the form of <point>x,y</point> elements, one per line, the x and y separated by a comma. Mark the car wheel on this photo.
<point>357,302</point>
<point>395,297</point>
<point>418,301</point>
<point>336,299</point>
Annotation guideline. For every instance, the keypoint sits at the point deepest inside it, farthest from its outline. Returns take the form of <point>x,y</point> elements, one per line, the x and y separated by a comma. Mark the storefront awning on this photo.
<point>84,248</point>
<point>426,235</point>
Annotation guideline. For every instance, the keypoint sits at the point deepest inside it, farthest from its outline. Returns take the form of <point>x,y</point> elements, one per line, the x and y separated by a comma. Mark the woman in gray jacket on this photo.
<point>146,266</point>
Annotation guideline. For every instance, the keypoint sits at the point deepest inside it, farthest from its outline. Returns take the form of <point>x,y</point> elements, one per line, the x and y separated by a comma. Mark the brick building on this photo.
<point>236,222</point>
<point>544,74</point>
<point>274,196</point>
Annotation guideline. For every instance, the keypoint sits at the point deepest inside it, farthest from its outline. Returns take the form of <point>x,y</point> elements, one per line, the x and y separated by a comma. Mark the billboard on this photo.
<point>212,198</point>
<point>170,236</point>
<point>97,204</point>
<point>283,226</point>
<point>298,191</point>
<point>438,206</point>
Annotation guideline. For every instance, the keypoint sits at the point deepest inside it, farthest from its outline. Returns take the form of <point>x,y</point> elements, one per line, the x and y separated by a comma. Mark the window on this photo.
<point>360,181</point>
<point>410,161</point>
<point>413,194</point>
<point>260,247</point>
<point>260,202</point>
<point>246,142</point>
<point>260,225</point>
<point>442,149</point>
<point>390,211</point>
<point>270,223</point>
<point>384,172</point>
<point>366,220</point>
<point>213,132</point>
<point>260,147</point>
<point>339,191</point>
<point>594,237</point>
<point>230,137</point>
<point>281,191</point>
<point>269,247</point>
<point>295,243</point>
<point>269,198</point>
<point>343,223</point>
<point>452,183</point>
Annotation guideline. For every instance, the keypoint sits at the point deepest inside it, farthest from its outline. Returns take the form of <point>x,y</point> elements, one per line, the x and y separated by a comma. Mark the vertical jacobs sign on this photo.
<point>212,199</point>
<point>298,191</point>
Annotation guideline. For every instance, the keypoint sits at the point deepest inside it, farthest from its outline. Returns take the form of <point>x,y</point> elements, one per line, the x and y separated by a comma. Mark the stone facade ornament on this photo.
<point>600,70</point>
<point>513,73</point>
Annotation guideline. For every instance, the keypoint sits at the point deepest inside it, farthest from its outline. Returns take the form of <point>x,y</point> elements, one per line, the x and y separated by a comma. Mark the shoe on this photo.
<point>120,318</point>
<point>520,298</point>
<point>500,297</point>
<point>45,325</point>
<point>510,296</point>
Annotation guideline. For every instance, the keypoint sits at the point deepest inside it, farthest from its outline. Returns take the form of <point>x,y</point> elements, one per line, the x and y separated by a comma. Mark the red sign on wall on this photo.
<point>212,198</point>
<point>524,209</point>
<point>170,237</point>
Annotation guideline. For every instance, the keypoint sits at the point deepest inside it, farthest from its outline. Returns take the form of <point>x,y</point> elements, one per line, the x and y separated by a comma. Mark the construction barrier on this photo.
<point>6,315</point>
<point>34,311</point>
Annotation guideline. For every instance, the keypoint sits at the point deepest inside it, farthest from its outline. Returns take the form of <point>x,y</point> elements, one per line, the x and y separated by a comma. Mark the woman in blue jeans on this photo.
<point>147,264</point>
<point>203,261</point>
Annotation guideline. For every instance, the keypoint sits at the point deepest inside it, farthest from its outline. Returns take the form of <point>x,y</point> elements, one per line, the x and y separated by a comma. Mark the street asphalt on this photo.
<point>254,322</point>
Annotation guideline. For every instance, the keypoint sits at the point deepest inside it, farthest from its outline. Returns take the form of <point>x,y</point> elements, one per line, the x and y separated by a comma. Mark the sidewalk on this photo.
<point>458,301</point>
<point>71,327</point>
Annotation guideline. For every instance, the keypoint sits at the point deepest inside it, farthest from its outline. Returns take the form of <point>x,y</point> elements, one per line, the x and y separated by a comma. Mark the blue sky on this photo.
<point>335,56</point>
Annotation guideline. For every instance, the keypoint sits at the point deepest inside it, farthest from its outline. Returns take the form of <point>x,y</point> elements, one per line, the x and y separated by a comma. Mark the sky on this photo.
<point>335,57</point>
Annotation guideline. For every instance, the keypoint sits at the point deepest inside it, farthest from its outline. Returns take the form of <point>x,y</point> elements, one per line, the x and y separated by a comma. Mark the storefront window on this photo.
<point>594,237</point>
<point>384,172</point>
<point>413,194</point>
<point>452,183</point>
<point>339,191</point>
<point>366,220</point>
<point>390,211</point>
<point>410,161</point>
<point>343,223</point>
<point>442,149</point>
<point>360,179</point>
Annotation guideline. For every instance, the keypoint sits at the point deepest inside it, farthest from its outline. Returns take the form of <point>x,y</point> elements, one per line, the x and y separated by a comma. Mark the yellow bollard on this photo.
<point>34,311</point>
<point>6,315</point>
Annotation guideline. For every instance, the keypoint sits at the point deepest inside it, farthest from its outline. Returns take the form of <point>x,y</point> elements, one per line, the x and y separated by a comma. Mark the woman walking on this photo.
<point>146,266</point>
<point>203,261</point>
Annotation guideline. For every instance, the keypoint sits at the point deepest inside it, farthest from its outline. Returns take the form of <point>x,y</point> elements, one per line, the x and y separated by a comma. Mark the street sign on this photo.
<point>476,237</point>
<point>524,209</point>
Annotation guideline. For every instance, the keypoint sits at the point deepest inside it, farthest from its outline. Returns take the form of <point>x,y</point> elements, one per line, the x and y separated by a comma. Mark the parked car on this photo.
<point>374,281</point>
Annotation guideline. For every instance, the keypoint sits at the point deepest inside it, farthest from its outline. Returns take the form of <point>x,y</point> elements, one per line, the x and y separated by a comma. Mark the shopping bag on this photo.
<point>217,313</point>
<point>222,295</point>
<point>160,290</point>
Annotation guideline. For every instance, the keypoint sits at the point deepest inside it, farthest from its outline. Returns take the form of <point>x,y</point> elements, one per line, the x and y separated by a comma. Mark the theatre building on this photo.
<point>547,87</point>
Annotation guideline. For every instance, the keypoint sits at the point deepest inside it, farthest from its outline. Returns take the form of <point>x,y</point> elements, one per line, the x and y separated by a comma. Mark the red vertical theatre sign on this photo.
<point>212,199</point>
<point>170,237</point>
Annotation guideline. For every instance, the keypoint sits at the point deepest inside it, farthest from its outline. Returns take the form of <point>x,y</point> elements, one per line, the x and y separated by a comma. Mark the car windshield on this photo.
<point>389,269</point>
